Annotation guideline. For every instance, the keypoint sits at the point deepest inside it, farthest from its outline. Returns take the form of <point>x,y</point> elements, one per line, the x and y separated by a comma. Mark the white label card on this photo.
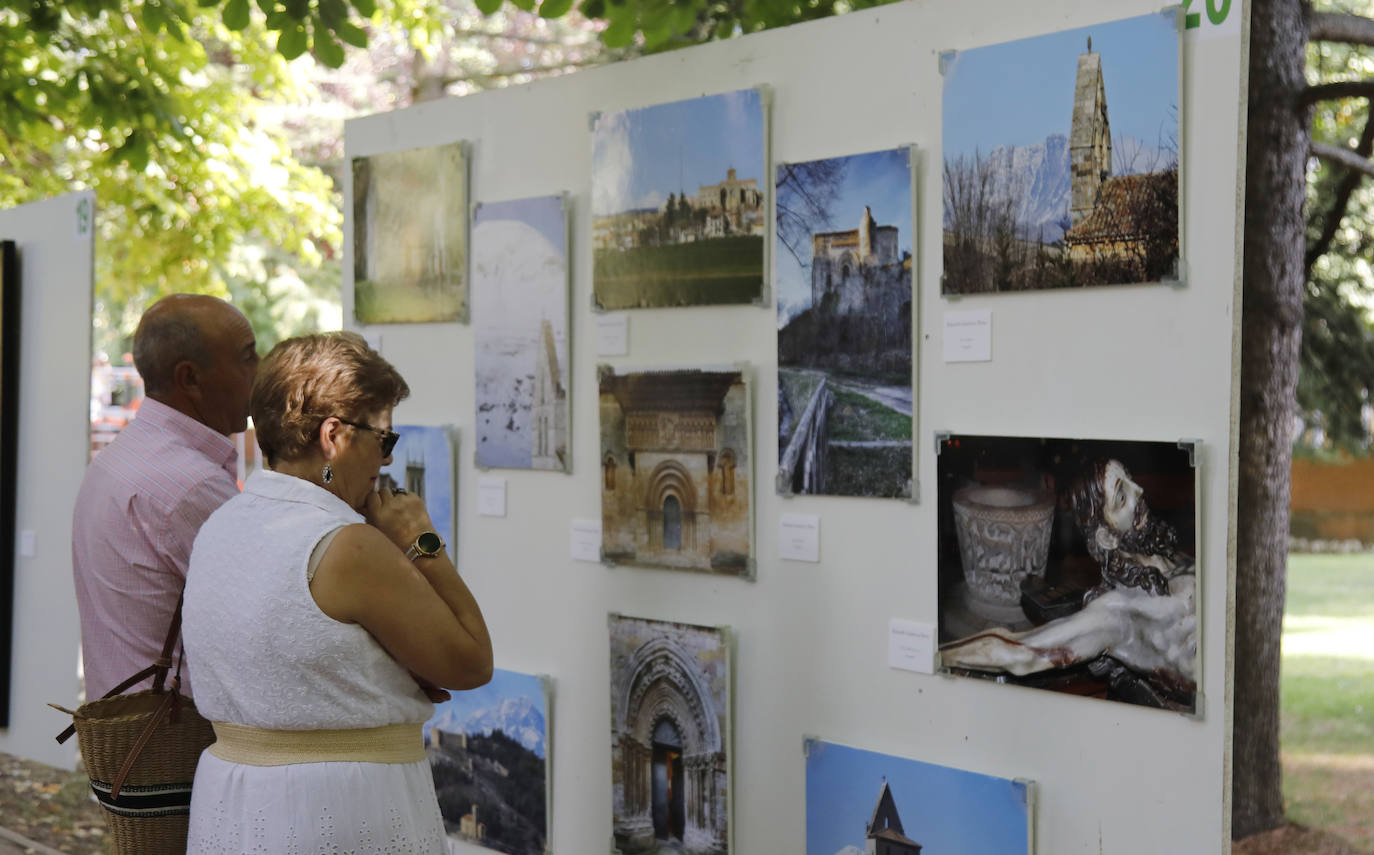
<point>968,336</point>
<point>799,537</point>
<point>27,543</point>
<point>585,540</point>
<point>491,496</point>
<point>613,334</point>
<point>911,645</point>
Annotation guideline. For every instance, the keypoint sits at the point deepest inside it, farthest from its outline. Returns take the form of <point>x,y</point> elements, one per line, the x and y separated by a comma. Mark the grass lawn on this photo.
<point>707,272</point>
<point>1327,685</point>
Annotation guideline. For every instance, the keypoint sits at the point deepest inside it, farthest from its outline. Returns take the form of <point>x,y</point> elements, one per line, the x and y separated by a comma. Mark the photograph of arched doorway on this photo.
<point>670,702</point>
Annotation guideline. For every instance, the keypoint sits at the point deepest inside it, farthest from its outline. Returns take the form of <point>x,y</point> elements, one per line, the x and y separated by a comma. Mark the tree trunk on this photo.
<point>1271,333</point>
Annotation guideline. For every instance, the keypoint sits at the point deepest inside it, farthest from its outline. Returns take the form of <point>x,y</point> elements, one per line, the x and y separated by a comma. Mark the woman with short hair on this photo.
<point>320,615</point>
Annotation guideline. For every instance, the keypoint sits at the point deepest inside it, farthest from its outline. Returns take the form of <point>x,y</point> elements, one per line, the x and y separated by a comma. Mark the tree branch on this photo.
<point>1336,91</point>
<point>1344,190</point>
<point>1344,156</point>
<point>1342,27</point>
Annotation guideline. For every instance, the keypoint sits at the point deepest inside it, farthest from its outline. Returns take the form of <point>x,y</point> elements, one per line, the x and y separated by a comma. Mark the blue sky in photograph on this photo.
<point>945,810</point>
<point>504,685</point>
<point>640,156</point>
<point>542,213</point>
<point>432,445</point>
<point>1018,93</point>
<point>882,181</point>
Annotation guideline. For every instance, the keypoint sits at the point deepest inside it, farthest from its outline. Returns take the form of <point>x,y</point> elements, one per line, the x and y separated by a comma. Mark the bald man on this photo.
<point>146,495</point>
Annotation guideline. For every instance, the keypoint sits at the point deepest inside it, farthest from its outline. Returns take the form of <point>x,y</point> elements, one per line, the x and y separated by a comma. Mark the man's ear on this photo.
<point>186,378</point>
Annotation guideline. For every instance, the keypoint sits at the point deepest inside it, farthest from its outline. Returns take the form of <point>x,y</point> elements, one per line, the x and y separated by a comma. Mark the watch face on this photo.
<point>429,543</point>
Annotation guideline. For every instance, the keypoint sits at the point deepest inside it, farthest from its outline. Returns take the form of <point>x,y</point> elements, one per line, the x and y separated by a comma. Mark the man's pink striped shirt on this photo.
<point>141,504</point>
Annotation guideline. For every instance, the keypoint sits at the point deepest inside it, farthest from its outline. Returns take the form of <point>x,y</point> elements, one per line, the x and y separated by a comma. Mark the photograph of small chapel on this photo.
<point>1061,159</point>
<point>676,469</point>
<point>865,803</point>
<point>670,737</point>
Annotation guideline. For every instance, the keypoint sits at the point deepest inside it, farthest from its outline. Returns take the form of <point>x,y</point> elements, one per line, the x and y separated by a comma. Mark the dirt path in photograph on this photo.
<point>896,398</point>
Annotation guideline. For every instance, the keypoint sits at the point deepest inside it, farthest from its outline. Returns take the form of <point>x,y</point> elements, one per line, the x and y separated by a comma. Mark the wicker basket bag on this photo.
<point>140,752</point>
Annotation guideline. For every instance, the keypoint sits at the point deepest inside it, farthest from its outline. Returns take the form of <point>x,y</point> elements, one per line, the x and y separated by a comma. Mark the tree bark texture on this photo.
<point>1271,329</point>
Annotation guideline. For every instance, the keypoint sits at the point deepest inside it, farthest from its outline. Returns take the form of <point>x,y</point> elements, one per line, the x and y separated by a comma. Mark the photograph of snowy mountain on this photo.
<point>520,300</point>
<point>1061,159</point>
<point>844,325</point>
<point>863,802</point>
<point>422,463</point>
<point>487,750</point>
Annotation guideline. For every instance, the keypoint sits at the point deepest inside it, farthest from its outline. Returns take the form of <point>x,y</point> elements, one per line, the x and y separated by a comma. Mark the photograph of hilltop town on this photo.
<point>488,752</point>
<point>1061,160</point>
<point>410,225</point>
<point>520,295</point>
<point>422,463</point>
<point>844,325</point>
<point>678,194</point>
<point>862,802</point>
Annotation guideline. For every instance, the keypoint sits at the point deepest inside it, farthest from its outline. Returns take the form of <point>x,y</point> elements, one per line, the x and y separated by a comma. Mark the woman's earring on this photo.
<point>327,474</point>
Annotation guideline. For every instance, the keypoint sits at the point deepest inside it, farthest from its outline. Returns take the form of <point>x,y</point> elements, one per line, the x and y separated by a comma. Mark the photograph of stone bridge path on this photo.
<point>844,326</point>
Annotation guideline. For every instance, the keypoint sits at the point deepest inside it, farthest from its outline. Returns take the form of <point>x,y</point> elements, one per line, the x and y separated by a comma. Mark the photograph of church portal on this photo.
<point>1070,565</point>
<point>520,296</point>
<point>676,470</point>
<point>1061,159</point>
<point>422,463</point>
<point>410,228</point>
<point>670,737</point>
<point>488,752</point>
<point>844,325</point>
<point>864,803</point>
<point>678,203</point>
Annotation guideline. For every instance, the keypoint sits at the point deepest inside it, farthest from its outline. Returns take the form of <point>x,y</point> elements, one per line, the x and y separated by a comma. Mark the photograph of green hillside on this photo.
<point>487,749</point>
<point>678,203</point>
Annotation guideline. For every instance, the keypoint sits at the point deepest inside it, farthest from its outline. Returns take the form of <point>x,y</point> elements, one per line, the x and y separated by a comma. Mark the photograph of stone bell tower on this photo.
<point>1032,201</point>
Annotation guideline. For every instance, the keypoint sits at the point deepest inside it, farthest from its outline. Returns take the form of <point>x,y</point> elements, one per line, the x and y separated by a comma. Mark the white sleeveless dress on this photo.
<point>261,653</point>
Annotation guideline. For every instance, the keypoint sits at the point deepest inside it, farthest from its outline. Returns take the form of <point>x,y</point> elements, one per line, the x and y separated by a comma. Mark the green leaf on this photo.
<point>298,9</point>
<point>267,6</point>
<point>351,34</point>
<point>292,41</point>
<point>524,5</point>
<point>152,17</point>
<point>366,8</point>
<point>554,8</point>
<point>327,51</point>
<point>333,13</point>
<point>236,14</point>
<point>593,8</point>
<point>488,7</point>
<point>621,31</point>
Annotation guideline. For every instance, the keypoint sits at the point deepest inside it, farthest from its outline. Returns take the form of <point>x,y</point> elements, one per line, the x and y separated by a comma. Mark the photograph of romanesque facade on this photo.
<point>520,296</point>
<point>844,325</point>
<point>410,227</point>
<point>422,463</point>
<point>676,480</point>
<point>670,737</point>
<point>865,803</point>
<point>1069,565</point>
<point>1033,202</point>
<point>678,203</point>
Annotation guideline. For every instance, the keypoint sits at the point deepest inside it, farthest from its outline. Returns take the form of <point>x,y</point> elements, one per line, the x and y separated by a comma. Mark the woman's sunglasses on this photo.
<point>389,438</point>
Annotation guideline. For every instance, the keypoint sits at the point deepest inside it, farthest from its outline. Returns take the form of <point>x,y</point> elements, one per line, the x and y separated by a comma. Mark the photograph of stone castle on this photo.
<point>844,325</point>
<point>1061,159</point>
<point>488,751</point>
<point>670,737</point>
<point>422,463</point>
<point>410,227</point>
<point>865,803</point>
<point>1070,565</point>
<point>678,193</point>
<point>520,296</point>
<point>676,470</point>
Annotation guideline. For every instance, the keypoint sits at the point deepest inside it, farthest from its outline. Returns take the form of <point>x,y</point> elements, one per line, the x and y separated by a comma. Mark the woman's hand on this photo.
<point>401,516</point>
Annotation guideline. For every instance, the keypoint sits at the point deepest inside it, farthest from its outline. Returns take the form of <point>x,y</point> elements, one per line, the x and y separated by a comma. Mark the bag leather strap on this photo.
<point>158,671</point>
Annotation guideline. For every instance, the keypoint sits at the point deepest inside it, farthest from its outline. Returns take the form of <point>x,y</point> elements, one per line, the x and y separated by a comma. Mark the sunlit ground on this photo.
<point>1327,683</point>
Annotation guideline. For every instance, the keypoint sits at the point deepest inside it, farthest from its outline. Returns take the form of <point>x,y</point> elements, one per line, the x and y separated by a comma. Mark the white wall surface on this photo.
<point>56,269</point>
<point>1145,362</point>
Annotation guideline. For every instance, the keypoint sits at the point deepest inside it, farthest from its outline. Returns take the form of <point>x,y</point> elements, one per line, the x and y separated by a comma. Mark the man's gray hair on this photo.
<point>166,336</point>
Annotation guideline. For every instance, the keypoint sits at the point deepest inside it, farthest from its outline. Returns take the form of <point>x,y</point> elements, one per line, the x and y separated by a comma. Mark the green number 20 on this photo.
<point>1216,13</point>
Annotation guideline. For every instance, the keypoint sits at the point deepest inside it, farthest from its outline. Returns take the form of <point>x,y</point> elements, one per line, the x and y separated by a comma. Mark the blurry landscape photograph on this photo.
<point>410,220</point>
<point>1061,159</point>
<point>678,195</point>
<point>488,751</point>
<point>844,253</point>
<point>422,463</point>
<point>862,802</point>
<point>520,297</point>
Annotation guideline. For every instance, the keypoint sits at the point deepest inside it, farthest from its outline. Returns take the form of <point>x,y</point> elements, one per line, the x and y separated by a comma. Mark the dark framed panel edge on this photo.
<point>9,458</point>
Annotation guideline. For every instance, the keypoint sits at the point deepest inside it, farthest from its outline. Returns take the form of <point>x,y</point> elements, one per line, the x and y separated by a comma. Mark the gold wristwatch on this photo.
<point>427,545</point>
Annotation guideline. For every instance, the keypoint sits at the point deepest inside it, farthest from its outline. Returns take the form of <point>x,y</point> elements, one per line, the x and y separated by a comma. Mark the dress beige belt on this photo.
<point>256,746</point>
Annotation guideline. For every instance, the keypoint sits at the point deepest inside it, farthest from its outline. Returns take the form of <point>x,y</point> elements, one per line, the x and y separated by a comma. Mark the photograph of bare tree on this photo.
<point>1032,201</point>
<point>844,325</point>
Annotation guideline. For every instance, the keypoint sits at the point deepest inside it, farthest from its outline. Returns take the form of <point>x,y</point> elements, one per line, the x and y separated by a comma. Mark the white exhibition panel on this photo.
<point>1139,363</point>
<point>56,242</point>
